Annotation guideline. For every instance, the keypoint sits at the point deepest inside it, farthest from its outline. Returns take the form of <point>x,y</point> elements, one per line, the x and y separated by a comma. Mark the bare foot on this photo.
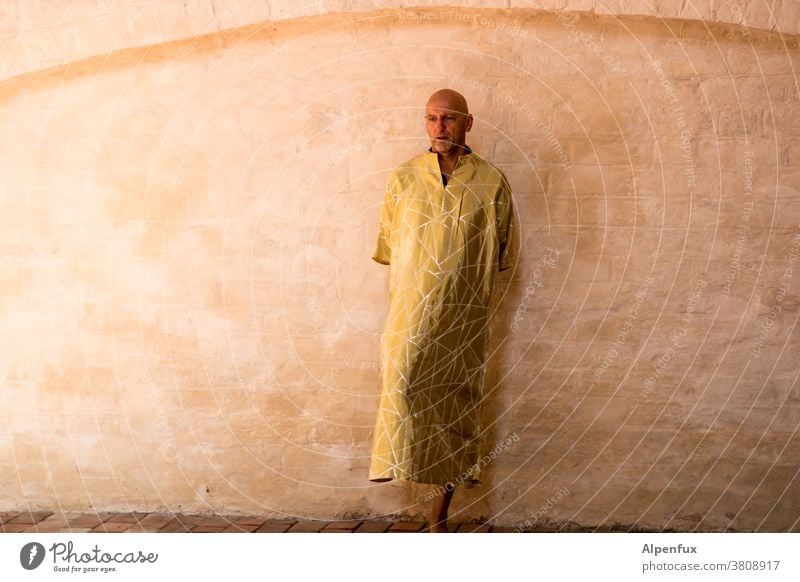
<point>437,519</point>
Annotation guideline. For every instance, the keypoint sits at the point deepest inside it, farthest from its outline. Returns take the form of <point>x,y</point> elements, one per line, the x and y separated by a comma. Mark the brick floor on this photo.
<point>342,526</point>
<point>250,520</point>
<point>175,526</point>
<point>112,527</point>
<point>276,525</point>
<point>87,520</point>
<point>30,518</point>
<point>374,526</point>
<point>50,522</point>
<point>125,518</point>
<point>7,516</point>
<point>16,527</point>
<point>473,528</point>
<point>155,521</point>
<point>207,529</point>
<point>216,521</point>
<point>308,526</point>
<point>241,528</point>
<point>406,527</point>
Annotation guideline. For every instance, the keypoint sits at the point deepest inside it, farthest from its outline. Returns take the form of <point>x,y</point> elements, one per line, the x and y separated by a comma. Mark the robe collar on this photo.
<point>466,147</point>
<point>433,161</point>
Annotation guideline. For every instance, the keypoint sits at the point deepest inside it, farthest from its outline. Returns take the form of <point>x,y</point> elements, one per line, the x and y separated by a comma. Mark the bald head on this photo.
<point>450,100</point>
<point>447,120</point>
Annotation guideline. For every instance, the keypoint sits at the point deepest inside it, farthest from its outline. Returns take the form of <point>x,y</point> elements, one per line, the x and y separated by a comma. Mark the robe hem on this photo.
<point>466,484</point>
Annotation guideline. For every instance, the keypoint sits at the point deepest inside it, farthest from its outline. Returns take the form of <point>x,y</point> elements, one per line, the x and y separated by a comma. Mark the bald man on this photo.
<point>446,229</point>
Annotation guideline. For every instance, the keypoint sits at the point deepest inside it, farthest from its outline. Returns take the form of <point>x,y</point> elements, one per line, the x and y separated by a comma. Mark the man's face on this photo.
<point>447,126</point>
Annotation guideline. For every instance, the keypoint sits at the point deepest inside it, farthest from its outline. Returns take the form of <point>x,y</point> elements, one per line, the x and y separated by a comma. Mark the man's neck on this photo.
<point>448,161</point>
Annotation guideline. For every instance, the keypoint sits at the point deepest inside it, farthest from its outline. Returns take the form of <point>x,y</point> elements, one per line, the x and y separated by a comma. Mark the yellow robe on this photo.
<point>444,246</point>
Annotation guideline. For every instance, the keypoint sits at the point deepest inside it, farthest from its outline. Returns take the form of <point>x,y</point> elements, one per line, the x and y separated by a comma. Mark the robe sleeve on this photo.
<point>506,228</point>
<point>383,248</point>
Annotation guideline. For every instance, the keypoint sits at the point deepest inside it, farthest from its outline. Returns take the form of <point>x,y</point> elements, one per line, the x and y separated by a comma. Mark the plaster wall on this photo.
<point>189,318</point>
<point>37,35</point>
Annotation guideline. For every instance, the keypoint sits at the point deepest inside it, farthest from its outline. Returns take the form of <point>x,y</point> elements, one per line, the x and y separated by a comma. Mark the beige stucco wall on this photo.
<point>189,318</point>
<point>36,35</point>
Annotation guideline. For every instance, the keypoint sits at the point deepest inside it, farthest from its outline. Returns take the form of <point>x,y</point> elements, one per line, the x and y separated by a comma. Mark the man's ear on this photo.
<point>469,121</point>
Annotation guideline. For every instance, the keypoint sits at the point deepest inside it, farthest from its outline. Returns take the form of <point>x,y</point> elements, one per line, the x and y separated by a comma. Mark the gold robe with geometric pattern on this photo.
<point>444,246</point>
